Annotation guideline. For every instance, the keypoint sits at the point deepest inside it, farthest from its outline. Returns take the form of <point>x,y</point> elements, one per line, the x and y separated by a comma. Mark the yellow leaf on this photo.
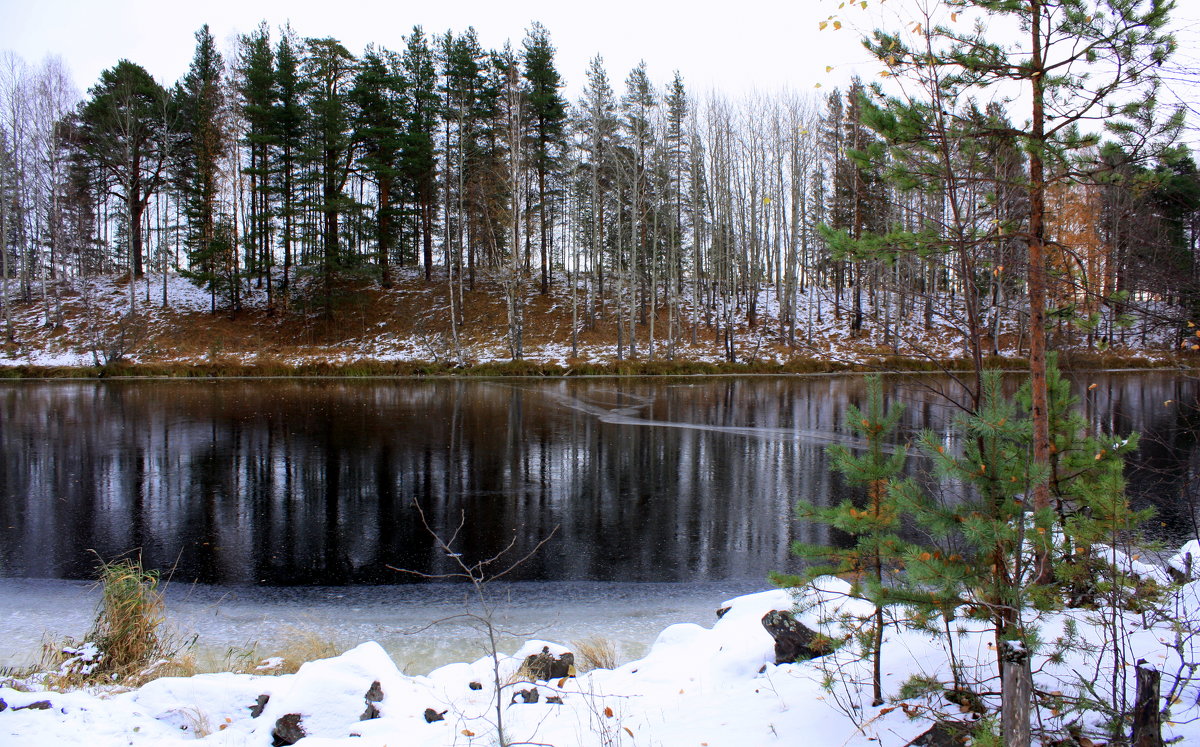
<point>1092,386</point>
<point>628,731</point>
<point>608,712</point>
<point>822,25</point>
<point>954,18</point>
<point>562,682</point>
<point>468,733</point>
<point>817,85</point>
<point>863,4</point>
<point>1191,324</point>
<point>884,74</point>
<point>918,29</point>
<point>829,68</point>
<point>837,25</point>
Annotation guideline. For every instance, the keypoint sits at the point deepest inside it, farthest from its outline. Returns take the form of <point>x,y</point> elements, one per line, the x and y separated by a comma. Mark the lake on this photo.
<point>318,482</point>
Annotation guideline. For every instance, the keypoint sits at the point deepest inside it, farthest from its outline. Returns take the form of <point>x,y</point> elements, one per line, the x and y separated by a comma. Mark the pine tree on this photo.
<point>463,88</point>
<point>203,140</point>
<point>123,134</point>
<point>597,124</point>
<point>986,542</point>
<point>875,546</point>
<point>547,114</point>
<point>288,125</point>
<point>378,97</point>
<point>420,154</point>
<point>257,97</point>
<point>1078,60</point>
<point>330,150</point>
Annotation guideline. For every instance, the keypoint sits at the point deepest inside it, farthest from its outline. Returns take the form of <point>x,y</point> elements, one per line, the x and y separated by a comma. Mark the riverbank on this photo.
<point>528,368</point>
<point>696,685</point>
<point>84,329</point>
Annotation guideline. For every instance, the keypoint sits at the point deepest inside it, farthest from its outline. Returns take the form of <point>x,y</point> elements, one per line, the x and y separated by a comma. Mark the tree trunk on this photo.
<point>1147,724</point>
<point>1016,690</point>
<point>1039,396</point>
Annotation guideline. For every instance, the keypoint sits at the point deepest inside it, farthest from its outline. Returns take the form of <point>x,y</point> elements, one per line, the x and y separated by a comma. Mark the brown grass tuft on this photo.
<point>125,644</point>
<point>595,652</point>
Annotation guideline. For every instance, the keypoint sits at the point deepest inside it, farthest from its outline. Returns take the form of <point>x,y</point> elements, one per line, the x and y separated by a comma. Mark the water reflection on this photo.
<point>314,482</point>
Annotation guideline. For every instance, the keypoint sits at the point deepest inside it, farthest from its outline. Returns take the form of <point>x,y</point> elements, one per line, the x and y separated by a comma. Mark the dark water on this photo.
<point>316,482</point>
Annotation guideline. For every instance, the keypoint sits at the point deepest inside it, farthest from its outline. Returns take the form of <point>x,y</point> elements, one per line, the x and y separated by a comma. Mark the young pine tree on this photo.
<point>872,527</point>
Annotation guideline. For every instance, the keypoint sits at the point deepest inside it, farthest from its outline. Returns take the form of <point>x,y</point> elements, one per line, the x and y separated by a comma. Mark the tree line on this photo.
<point>291,166</point>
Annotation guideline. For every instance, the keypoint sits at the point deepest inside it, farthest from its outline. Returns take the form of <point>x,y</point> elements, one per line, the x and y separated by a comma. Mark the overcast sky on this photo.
<point>734,46</point>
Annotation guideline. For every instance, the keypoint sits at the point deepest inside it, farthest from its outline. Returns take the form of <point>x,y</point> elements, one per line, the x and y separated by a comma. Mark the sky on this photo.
<point>737,47</point>
<point>730,46</point>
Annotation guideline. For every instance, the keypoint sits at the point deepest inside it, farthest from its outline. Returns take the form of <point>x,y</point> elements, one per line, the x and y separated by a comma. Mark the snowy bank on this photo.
<point>696,686</point>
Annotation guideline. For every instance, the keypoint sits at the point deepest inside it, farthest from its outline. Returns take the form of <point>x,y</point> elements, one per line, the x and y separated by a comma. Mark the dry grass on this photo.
<point>131,610</point>
<point>595,652</point>
<point>299,647</point>
<point>126,644</point>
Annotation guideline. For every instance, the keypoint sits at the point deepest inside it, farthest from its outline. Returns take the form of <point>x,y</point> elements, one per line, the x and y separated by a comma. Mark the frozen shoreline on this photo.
<point>628,614</point>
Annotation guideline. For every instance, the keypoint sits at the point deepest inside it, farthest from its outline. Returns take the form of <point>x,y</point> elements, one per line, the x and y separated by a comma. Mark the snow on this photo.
<point>696,685</point>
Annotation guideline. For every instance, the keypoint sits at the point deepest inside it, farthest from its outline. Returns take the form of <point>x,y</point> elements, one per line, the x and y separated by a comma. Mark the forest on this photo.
<point>294,174</point>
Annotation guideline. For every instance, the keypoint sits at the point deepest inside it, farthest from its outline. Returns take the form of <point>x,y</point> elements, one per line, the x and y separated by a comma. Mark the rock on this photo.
<point>475,685</point>
<point>41,705</point>
<point>287,730</point>
<point>527,696</point>
<point>555,699</point>
<point>943,734</point>
<point>374,695</point>
<point>431,716</point>
<point>721,611</point>
<point>259,704</point>
<point>794,641</point>
<point>547,666</point>
<point>3,705</point>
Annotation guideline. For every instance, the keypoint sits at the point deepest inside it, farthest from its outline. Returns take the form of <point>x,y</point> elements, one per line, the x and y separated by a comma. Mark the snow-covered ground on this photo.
<point>697,685</point>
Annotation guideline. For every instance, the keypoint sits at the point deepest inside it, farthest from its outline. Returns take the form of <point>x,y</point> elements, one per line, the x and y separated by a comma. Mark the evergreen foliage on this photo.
<point>873,527</point>
<point>200,147</point>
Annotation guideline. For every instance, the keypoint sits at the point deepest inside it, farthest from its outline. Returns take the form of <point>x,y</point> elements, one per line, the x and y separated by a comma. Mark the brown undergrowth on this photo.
<point>407,331</point>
